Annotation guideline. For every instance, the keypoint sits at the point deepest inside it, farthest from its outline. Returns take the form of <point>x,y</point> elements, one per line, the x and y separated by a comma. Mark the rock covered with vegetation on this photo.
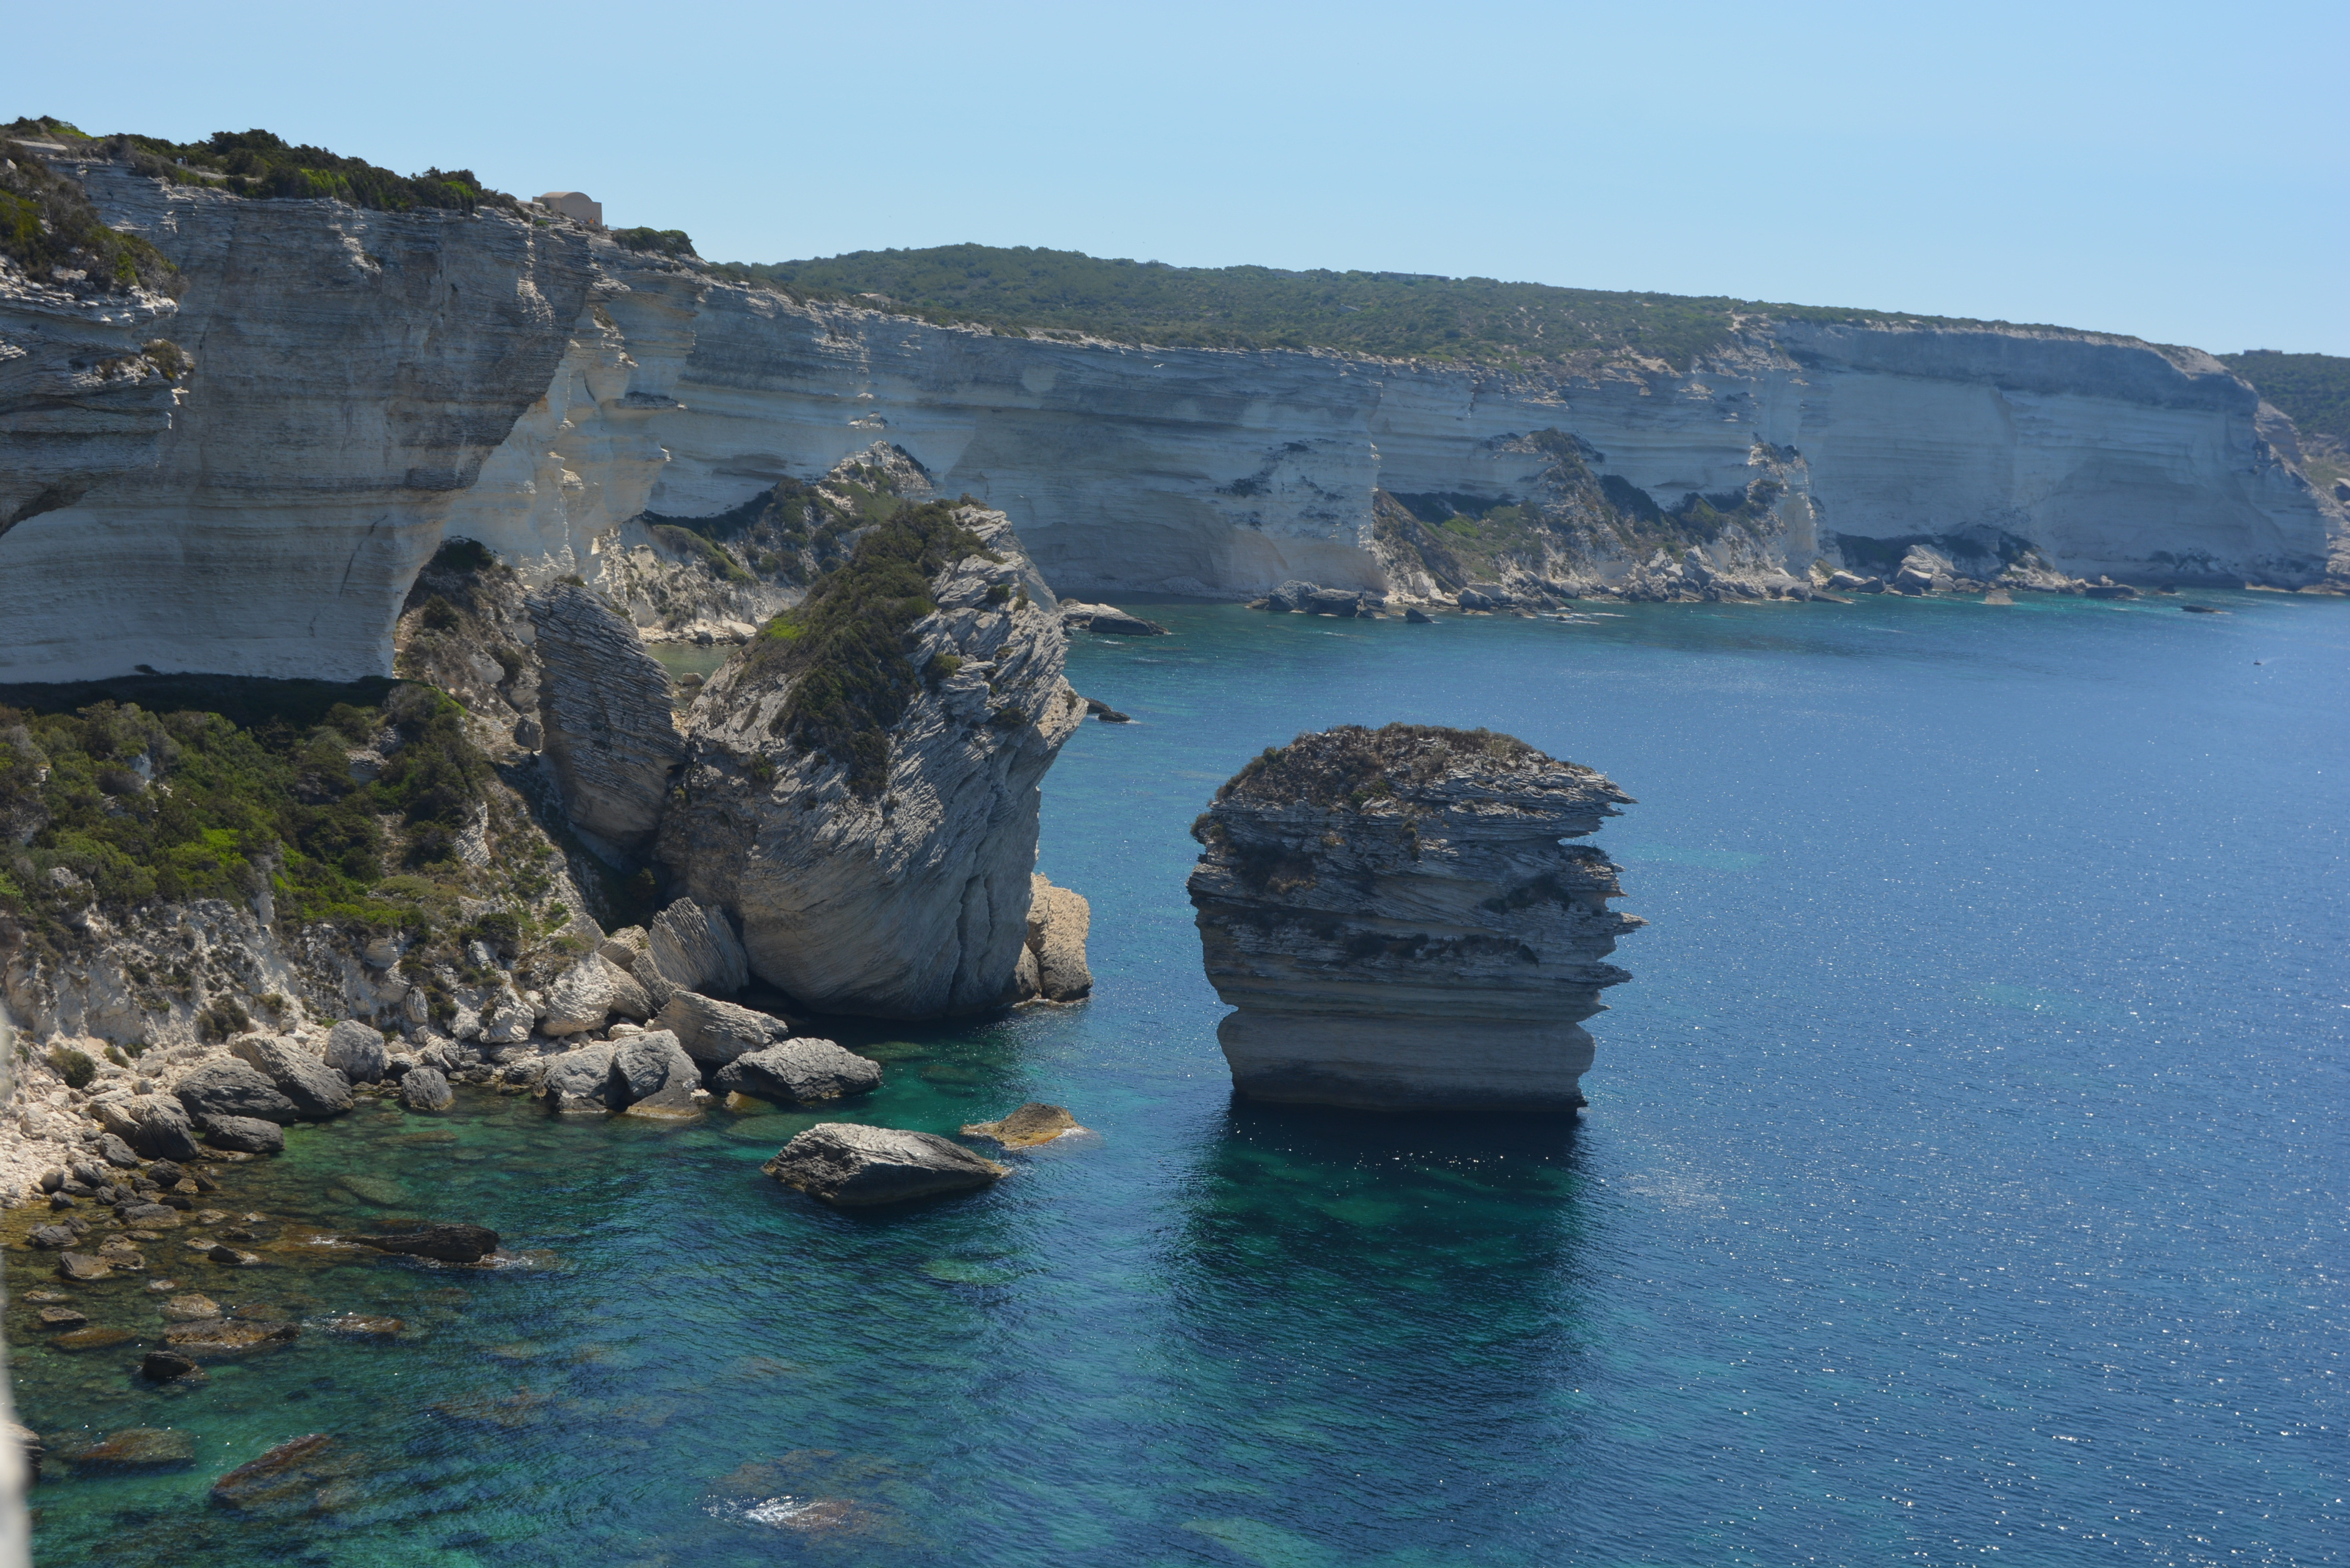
<point>863,786</point>
<point>1400,924</point>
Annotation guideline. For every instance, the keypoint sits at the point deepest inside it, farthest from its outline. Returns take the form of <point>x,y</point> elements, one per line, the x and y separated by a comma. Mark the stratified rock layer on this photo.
<point>605,705</point>
<point>1400,925</point>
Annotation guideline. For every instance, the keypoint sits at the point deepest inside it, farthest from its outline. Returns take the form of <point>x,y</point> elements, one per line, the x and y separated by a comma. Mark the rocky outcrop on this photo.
<point>1053,962</point>
<point>854,1167</point>
<point>798,1072</point>
<point>605,707</point>
<point>693,948</point>
<point>1400,925</point>
<point>1033,1124</point>
<point>716,1033</point>
<point>316,1090</point>
<point>866,803</point>
<point>1108,619</point>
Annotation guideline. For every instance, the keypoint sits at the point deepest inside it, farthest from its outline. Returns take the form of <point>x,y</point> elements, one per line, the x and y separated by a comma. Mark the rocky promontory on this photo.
<point>1400,923</point>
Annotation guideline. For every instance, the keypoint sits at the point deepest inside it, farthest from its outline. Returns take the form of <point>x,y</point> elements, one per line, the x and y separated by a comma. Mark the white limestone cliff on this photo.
<point>366,383</point>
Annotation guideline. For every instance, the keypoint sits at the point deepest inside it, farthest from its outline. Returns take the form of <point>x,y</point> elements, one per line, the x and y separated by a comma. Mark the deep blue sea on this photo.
<point>1963,1179</point>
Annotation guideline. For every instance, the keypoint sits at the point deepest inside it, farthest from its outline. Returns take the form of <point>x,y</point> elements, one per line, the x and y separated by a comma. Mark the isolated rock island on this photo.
<point>1398,920</point>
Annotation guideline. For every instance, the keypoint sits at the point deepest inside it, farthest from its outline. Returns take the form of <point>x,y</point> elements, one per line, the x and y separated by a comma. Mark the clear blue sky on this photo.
<point>2177,171</point>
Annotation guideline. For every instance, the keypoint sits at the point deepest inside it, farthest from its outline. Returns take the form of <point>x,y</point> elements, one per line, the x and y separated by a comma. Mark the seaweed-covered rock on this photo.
<point>1033,1124</point>
<point>798,1072</point>
<point>857,1167</point>
<point>139,1448</point>
<point>445,1243</point>
<point>1399,924</point>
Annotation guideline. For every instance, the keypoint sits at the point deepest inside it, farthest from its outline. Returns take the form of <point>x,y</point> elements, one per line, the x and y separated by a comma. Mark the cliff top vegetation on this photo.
<point>2313,390</point>
<point>1386,315</point>
<point>1352,765</point>
<point>261,165</point>
<point>49,228</point>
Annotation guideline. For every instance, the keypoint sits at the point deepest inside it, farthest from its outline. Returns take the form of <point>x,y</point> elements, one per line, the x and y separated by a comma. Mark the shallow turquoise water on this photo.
<point>1963,1178</point>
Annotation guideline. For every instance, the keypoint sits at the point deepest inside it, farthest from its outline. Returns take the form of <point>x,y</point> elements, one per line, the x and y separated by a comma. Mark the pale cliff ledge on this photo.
<point>1396,919</point>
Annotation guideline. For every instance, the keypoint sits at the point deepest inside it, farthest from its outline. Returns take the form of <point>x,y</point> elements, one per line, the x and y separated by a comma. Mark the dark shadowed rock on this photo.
<point>117,1153</point>
<point>448,1243</point>
<point>798,1072</point>
<point>1415,616</point>
<point>857,1167</point>
<point>245,1135</point>
<point>168,1367</point>
<point>714,1032</point>
<point>153,1216</point>
<point>234,1088</point>
<point>607,709</point>
<point>1292,595</point>
<point>316,1090</point>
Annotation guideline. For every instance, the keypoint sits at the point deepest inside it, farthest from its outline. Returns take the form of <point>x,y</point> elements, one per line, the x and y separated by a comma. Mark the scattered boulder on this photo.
<point>245,1134</point>
<point>424,1089</point>
<point>117,1153</point>
<point>1109,619</point>
<point>1415,616</point>
<point>798,1072</point>
<point>155,1126</point>
<point>56,1238</point>
<point>716,1031</point>
<point>93,1337</point>
<point>357,1050</point>
<point>624,948</point>
<point>1485,597</point>
<point>153,1216</point>
<point>574,1082</point>
<point>850,1165</point>
<point>697,950</point>
<point>228,1339</point>
<point>222,1253</point>
<point>81,1268</point>
<point>652,1075</point>
<point>1032,1124</point>
<point>139,1448</point>
<point>190,1309</point>
<point>169,1367</point>
<point>1292,595</point>
<point>1847,581</point>
<point>580,998</point>
<point>446,1243</point>
<point>62,1317</point>
<point>1345,603</point>
<point>316,1090</point>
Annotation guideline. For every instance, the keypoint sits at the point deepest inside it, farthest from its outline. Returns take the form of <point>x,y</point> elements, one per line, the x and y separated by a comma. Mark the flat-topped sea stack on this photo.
<point>1398,919</point>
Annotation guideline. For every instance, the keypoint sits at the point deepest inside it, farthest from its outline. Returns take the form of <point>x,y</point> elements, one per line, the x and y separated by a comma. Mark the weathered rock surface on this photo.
<point>447,1243</point>
<point>714,1032</point>
<point>245,1134</point>
<point>191,1309</point>
<point>906,897</point>
<point>425,1089</point>
<point>356,1050</point>
<point>696,949</point>
<point>234,1089</point>
<point>1033,1124</point>
<point>316,1090</point>
<point>155,1126</point>
<point>574,1082</point>
<point>606,708</point>
<point>82,1267</point>
<point>1396,919</point>
<point>582,997</point>
<point>652,1075</point>
<point>798,1072</point>
<point>1059,920</point>
<point>854,1167</point>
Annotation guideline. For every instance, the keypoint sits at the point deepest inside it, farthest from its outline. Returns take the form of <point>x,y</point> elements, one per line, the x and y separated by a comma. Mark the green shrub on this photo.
<point>688,543</point>
<point>221,1019</point>
<point>48,227</point>
<point>464,556</point>
<point>74,1066</point>
<point>660,242</point>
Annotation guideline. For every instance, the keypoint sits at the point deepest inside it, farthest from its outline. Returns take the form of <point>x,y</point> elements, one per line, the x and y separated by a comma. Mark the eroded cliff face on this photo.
<point>863,795</point>
<point>368,383</point>
<point>1399,924</point>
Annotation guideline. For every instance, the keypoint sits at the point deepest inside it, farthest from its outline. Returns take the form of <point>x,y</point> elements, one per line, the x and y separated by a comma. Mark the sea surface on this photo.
<point>1963,1179</point>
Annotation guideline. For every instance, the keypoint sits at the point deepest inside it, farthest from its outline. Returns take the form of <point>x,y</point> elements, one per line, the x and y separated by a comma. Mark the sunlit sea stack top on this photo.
<point>1401,923</point>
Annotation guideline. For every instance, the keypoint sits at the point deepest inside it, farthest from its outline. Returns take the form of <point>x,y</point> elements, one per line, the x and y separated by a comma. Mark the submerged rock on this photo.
<point>287,1479</point>
<point>228,1339</point>
<point>798,1072</point>
<point>82,1269</point>
<point>1030,1125</point>
<point>852,1166</point>
<point>869,809</point>
<point>1396,918</point>
<point>137,1448</point>
<point>62,1317</point>
<point>245,1135</point>
<point>169,1367</point>
<point>94,1338</point>
<point>446,1243</point>
<point>190,1309</point>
